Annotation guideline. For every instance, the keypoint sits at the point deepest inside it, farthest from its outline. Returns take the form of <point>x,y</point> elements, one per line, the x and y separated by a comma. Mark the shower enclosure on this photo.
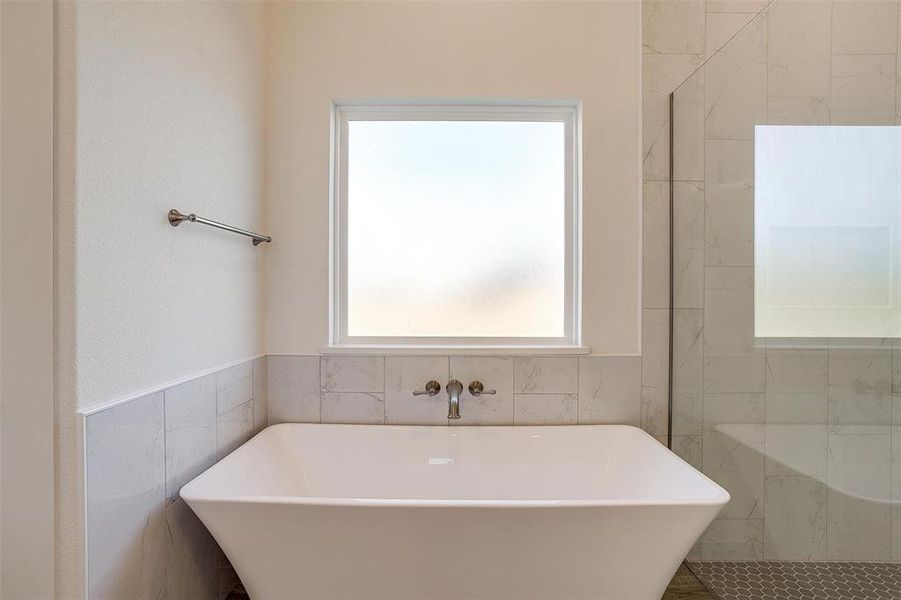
<point>786,300</point>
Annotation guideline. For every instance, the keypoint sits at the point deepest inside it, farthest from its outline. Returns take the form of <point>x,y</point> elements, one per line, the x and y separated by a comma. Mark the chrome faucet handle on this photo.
<point>477,389</point>
<point>431,388</point>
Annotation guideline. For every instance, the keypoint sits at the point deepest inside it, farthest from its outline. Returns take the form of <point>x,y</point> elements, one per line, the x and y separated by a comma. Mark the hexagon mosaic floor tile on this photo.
<point>773,580</point>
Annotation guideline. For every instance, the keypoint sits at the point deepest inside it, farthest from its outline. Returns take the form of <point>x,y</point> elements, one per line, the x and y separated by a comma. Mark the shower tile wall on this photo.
<point>530,390</point>
<point>805,434</point>
<point>143,542</point>
<point>677,37</point>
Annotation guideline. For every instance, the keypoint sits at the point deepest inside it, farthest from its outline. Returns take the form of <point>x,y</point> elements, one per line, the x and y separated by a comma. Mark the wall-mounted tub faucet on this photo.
<point>454,389</point>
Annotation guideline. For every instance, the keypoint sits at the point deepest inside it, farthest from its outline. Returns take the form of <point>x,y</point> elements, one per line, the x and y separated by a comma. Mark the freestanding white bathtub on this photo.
<point>359,511</point>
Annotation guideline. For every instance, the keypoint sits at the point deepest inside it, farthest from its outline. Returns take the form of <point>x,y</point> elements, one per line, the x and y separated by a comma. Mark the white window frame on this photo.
<point>566,111</point>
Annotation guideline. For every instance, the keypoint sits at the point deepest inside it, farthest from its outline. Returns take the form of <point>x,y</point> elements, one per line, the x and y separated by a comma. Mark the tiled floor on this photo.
<point>774,581</point>
<point>684,586</point>
<point>801,580</point>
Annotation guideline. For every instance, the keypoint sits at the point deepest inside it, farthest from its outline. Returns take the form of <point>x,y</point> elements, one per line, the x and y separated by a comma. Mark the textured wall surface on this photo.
<point>157,105</point>
<point>327,50</point>
<point>169,113</point>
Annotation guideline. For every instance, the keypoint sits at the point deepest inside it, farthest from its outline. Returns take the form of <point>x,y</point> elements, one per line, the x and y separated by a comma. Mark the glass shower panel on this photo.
<point>792,123</point>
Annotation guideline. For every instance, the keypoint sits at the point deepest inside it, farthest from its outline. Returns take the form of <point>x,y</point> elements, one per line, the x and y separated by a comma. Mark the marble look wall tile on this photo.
<point>897,78</point>
<point>858,516</point>
<point>729,203</point>
<point>796,370</point>
<point>545,409</point>
<point>800,408</point>
<point>126,497</point>
<point>234,386</point>
<point>729,311</point>
<point>734,373</point>
<point>721,27</point>
<point>896,468</point>
<point>796,411</point>
<point>864,27</point>
<point>234,428</point>
<point>654,370</point>
<point>688,244</point>
<point>729,234</point>
<point>688,128</point>
<point>863,89</point>
<point>688,448</point>
<point>896,494</point>
<point>794,518</point>
<point>788,343</point>
<point>733,539</point>
<point>860,387</point>
<point>733,457</point>
<point>610,390</point>
<point>673,27</point>
<point>192,570</point>
<point>734,358</point>
<point>655,244</point>
<point>798,110</point>
<point>857,529</point>
<point>733,409</point>
<point>796,450</point>
<point>735,85</point>
<point>743,6</point>
<point>661,74</point>
<point>293,389</point>
<point>896,540</point>
<point>799,44</point>
<point>895,344</point>
<point>688,365</point>
<point>403,375</point>
<point>352,373</point>
<point>260,394</point>
<point>353,407</point>
<point>495,373</point>
<point>190,412</point>
<point>546,374</point>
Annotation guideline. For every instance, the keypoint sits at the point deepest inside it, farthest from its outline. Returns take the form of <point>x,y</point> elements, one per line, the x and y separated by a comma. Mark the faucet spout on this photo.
<point>454,389</point>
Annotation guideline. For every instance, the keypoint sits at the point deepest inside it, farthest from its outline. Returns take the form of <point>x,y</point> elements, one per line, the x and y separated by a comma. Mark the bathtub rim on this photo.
<point>718,496</point>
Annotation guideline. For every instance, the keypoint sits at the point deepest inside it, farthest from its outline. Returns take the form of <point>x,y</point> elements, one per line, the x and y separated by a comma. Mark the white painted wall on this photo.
<point>26,300</point>
<point>169,114</point>
<point>324,50</point>
<point>159,105</point>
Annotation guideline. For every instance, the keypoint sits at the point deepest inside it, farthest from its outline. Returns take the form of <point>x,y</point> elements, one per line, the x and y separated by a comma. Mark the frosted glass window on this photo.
<point>826,231</point>
<point>457,226</point>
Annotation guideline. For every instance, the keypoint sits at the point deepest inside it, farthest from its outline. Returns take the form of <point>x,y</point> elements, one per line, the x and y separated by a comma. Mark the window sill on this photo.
<point>410,350</point>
